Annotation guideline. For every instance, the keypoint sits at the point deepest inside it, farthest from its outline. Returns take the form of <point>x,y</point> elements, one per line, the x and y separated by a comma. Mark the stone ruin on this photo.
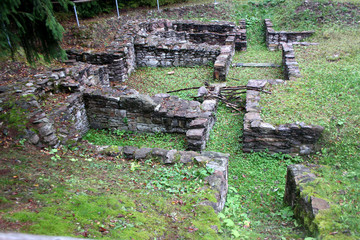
<point>292,138</point>
<point>88,101</point>
<point>165,43</point>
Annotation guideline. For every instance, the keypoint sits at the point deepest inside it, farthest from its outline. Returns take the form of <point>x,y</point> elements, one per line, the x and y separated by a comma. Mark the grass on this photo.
<point>123,138</point>
<point>82,195</point>
<point>255,54</point>
<point>327,95</point>
<point>160,80</point>
<point>254,207</point>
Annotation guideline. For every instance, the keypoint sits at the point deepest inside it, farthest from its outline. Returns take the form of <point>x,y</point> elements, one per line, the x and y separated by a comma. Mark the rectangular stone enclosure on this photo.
<point>165,43</point>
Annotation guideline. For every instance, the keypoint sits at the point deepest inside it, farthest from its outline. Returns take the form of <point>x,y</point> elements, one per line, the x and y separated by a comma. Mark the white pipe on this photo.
<point>158,5</point>
<point>117,8</point>
<point>77,20</point>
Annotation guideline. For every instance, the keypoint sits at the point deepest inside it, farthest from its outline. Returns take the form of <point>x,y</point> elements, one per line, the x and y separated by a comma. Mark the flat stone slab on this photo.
<point>255,65</point>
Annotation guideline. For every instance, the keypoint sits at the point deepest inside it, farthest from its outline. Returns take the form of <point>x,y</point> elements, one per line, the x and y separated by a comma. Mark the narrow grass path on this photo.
<point>254,207</point>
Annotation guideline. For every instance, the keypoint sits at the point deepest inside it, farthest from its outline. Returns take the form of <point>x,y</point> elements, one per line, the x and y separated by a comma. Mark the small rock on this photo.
<point>34,139</point>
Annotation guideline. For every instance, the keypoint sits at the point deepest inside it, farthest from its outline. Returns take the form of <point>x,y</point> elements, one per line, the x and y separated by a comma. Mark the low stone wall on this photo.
<point>165,43</point>
<point>70,120</point>
<point>274,39</point>
<point>223,61</point>
<point>110,109</point>
<point>306,207</point>
<point>294,138</point>
<point>176,55</point>
<point>241,39</point>
<point>65,122</point>
<point>291,67</point>
<point>119,64</point>
<point>84,100</point>
<point>218,181</point>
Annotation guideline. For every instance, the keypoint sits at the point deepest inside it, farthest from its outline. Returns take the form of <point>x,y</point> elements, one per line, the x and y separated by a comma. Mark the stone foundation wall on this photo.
<point>306,207</point>
<point>79,104</point>
<point>66,121</point>
<point>119,65</point>
<point>110,109</point>
<point>274,39</point>
<point>294,138</point>
<point>165,43</point>
<point>291,67</point>
<point>70,120</point>
<point>223,61</point>
<point>175,56</point>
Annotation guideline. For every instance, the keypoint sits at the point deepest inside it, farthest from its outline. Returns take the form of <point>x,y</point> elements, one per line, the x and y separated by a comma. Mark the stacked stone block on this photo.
<point>306,206</point>
<point>165,43</point>
<point>70,120</point>
<point>274,39</point>
<point>291,67</point>
<point>294,138</point>
<point>110,109</point>
<point>223,61</point>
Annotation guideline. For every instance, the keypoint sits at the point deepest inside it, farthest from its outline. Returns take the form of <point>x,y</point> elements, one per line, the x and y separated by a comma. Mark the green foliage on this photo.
<point>32,26</point>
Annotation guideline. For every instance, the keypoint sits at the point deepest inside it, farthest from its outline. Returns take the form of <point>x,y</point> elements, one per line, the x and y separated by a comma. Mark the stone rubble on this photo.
<point>274,39</point>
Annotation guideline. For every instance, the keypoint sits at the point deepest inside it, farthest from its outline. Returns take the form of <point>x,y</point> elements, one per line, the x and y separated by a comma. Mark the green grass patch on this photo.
<point>255,54</point>
<point>81,195</point>
<point>342,192</point>
<point>254,207</point>
<point>160,80</point>
<point>140,140</point>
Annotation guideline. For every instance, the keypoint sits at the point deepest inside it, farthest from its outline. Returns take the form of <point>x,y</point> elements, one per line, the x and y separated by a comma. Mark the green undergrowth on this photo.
<point>343,195</point>
<point>328,95</point>
<point>78,194</point>
<point>160,80</point>
<point>254,207</point>
<point>140,140</point>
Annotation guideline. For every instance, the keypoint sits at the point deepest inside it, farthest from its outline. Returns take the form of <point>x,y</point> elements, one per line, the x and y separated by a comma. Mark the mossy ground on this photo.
<point>79,194</point>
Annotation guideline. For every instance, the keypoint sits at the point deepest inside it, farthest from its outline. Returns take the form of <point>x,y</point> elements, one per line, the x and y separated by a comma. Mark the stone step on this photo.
<point>255,65</point>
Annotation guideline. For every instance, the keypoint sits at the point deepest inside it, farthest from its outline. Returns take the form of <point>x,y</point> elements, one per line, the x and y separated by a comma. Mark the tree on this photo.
<point>31,24</point>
